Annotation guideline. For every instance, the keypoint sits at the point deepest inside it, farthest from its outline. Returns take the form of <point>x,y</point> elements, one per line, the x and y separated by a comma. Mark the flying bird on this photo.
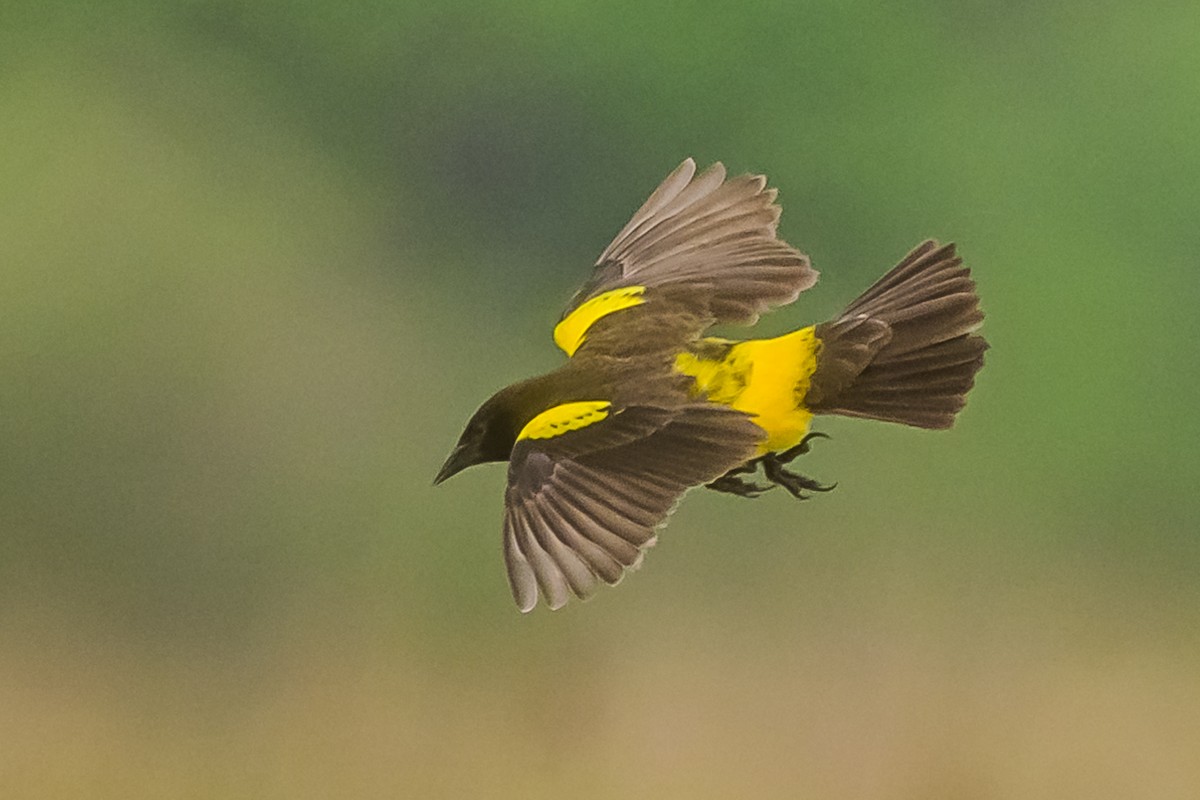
<point>646,406</point>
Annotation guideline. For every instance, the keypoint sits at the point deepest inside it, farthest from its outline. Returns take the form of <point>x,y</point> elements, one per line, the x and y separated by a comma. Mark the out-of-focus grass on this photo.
<point>261,262</point>
<point>852,703</point>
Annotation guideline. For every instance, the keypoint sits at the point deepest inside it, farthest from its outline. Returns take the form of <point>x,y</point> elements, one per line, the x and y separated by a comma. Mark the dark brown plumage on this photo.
<point>905,350</point>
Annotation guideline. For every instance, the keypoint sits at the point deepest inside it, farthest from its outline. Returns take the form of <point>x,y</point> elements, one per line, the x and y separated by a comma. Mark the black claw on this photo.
<point>773,468</point>
<point>775,472</point>
<point>788,456</point>
<point>744,469</point>
<point>731,484</point>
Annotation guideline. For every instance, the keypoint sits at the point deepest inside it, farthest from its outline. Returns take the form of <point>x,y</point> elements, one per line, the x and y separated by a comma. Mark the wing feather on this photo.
<point>615,524</point>
<point>550,580</point>
<point>581,509</point>
<point>701,246</point>
<point>551,533</point>
<point>606,553</point>
<point>671,186</point>
<point>520,574</point>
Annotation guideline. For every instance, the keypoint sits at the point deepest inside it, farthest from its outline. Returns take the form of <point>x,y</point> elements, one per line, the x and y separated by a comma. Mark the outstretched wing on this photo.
<point>583,505</point>
<point>702,249</point>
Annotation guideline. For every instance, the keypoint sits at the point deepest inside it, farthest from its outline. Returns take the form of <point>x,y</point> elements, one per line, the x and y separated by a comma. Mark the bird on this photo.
<point>647,406</point>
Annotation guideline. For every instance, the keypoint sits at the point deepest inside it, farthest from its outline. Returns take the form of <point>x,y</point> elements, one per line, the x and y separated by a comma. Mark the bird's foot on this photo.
<point>730,483</point>
<point>796,484</point>
<point>788,456</point>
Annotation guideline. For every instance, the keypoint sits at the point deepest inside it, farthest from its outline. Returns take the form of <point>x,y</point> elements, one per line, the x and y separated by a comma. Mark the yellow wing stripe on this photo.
<point>570,333</point>
<point>566,417</point>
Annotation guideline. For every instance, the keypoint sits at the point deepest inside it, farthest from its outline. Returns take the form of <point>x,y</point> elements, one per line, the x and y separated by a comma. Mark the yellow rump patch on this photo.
<point>720,380</point>
<point>766,378</point>
<point>566,417</point>
<point>570,333</point>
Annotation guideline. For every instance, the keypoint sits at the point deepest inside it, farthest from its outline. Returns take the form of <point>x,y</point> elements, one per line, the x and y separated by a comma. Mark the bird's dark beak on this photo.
<point>460,458</point>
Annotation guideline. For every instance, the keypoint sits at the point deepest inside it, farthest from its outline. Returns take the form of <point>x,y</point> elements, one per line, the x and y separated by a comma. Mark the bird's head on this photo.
<point>489,436</point>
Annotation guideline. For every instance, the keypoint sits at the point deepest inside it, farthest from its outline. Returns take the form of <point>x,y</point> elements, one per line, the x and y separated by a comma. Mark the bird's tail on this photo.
<point>905,351</point>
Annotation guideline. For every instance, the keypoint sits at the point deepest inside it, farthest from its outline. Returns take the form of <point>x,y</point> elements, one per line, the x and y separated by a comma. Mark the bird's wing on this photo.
<point>589,485</point>
<point>702,249</point>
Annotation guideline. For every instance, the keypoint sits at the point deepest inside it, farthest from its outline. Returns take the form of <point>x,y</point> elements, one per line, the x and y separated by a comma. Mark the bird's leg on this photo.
<point>775,470</point>
<point>788,456</point>
<point>730,483</point>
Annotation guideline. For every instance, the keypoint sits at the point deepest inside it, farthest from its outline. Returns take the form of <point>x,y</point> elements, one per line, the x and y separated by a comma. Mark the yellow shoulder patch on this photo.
<point>563,418</point>
<point>570,333</point>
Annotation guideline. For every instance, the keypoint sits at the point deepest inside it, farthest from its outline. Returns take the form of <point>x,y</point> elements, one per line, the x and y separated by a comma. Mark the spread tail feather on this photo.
<point>905,351</point>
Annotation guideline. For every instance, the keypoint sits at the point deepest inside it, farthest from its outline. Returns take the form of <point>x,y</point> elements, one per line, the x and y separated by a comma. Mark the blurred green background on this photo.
<point>261,260</point>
